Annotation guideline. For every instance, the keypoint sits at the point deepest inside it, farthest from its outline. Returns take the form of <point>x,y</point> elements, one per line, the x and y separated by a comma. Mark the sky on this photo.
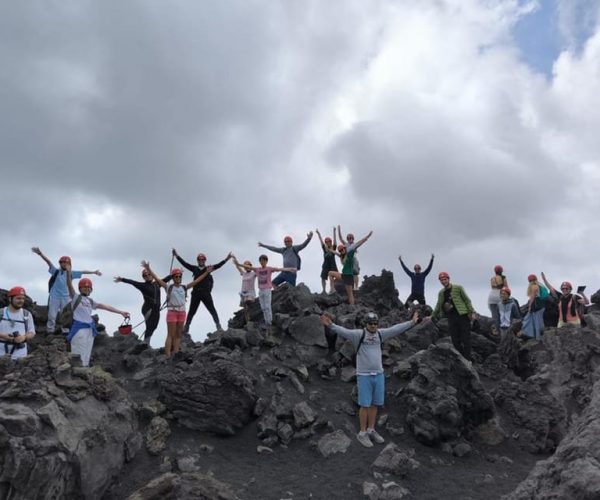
<point>463,128</point>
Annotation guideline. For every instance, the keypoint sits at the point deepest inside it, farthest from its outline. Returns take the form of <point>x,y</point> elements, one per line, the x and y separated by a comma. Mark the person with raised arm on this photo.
<point>346,253</point>
<point>291,258</point>
<point>176,297</point>
<point>83,330</point>
<point>328,245</point>
<point>570,305</point>
<point>247,293</point>
<point>58,296</point>
<point>369,368</point>
<point>417,281</point>
<point>202,292</point>
<point>355,264</point>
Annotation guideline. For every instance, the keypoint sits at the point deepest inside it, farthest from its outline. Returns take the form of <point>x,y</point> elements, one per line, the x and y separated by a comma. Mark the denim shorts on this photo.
<point>371,390</point>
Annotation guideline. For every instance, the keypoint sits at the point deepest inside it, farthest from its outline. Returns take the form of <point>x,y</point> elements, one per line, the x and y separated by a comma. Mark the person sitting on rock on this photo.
<point>16,325</point>
<point>150,290</point>
<point>83,330</point>
<point>202,292</point>
<point>265,286</point>
<point>57,286</point>
<point>369,369</point>
<point>328,245</point>
<point>417,281</point>
<point>247,293</point>
<point>176,297</point>
<point>508,311</point>
<point>454,304</point>
<point>291,258</point>
<point>570,305</point>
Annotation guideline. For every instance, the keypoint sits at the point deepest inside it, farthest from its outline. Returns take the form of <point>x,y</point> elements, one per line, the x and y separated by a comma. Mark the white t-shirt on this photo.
<point>83,312</point>
<point>176,297</point>
<point>12,321</point>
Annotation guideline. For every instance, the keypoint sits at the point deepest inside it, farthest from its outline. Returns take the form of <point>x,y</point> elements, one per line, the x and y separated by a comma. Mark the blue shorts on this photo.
<point>371,390</point>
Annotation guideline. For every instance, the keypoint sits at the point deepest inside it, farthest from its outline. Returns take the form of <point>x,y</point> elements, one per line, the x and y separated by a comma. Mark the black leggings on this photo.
<point>151,320</point>
<point>207,300</point>
<point>419,297</point>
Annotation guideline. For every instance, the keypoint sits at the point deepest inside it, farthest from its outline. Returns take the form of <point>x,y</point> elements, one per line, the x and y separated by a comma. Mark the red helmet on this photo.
<point>531,277</point>
<point>566,284</point>
<point>16,291</point>
<point>64,258</point>
<point>287,239</point>
<point>350,236</point>
<point>201,256</point>
<point>443,274</point>
<point>498,269</point>
<point>341,247</point>
<point>328,240</point>
<point>506,290</point>
<point>85,282</point>
<point>176,271</point>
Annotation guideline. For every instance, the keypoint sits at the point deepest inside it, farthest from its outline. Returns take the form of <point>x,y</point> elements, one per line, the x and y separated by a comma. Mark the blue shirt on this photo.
<point>59,288</point>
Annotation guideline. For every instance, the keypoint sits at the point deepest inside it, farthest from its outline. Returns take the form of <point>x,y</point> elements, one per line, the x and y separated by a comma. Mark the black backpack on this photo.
<point>53,279</point>
<point>13,347</point>
<point>64,319</point>
<point>299,259</point>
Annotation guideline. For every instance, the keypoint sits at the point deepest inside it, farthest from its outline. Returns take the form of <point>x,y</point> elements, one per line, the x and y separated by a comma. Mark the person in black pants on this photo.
<point>202,291</point>
<point>151,307</point>
<point>417,280</point>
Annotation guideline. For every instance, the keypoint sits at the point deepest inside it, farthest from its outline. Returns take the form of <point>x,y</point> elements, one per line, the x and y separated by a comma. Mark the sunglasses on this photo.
<point>375,323</point>
<point>177,276</point>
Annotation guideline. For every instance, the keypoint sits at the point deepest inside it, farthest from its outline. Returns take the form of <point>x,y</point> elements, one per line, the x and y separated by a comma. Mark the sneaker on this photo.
<point>363,438</point>
<point>375,436</point>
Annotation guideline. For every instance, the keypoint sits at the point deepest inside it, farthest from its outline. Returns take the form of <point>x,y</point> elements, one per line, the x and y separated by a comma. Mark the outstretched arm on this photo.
<point>146,266</point>
<point>549,286</point>
<point>185,264</point>
<point>218,265</point>
<point>96,272</point>
<point>272,248</point>
<point>342,240</point>
<point>406,269</point>
<point>426,272</point>
<point>320,238</point>
<point>37,251</point>
<point>106,307</point>
<point>302,245</point>
<point>334,239</point>
<point>360,242</point>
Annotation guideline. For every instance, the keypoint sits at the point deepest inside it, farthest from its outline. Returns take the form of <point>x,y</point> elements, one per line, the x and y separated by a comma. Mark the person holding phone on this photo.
<point>570,305</point>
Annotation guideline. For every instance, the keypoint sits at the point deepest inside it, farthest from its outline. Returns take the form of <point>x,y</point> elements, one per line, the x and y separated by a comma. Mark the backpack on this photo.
<point>299,259</point>
<point>53,279</point>
<point>543,292</point>
<point>169,294</point>
<point>64,319</point>
<point>24,321</point>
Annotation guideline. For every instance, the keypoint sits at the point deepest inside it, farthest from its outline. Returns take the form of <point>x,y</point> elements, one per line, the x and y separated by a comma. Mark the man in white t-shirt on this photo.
<point>16,325</point>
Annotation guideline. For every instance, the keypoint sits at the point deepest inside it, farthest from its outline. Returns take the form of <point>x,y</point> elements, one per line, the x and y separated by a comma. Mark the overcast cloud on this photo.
<point>133,127</point>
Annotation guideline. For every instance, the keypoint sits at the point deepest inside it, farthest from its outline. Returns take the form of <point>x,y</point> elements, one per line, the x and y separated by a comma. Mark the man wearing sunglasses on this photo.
<point>369,368</point>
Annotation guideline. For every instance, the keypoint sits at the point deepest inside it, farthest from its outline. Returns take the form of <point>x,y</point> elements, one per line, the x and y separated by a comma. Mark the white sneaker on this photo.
<point>375,436</point>
<point>363,438</point>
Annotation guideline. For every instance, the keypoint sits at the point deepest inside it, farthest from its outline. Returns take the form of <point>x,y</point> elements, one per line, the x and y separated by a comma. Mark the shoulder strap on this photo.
<point>77,302</point>
<point>362,339</point>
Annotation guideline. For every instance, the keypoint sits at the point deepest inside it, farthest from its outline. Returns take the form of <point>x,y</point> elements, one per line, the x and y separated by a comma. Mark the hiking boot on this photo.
<point>375,436</point>
<point>363,438</point>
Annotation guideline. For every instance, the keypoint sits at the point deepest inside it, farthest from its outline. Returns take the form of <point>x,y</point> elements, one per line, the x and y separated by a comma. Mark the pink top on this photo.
<point>264,277</point>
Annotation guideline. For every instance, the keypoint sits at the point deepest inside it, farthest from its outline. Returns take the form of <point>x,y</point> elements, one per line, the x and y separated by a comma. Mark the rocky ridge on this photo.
<point>243,415</point>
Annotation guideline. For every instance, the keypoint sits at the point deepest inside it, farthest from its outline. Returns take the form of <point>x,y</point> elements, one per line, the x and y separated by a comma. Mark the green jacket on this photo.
<point>460,299</point>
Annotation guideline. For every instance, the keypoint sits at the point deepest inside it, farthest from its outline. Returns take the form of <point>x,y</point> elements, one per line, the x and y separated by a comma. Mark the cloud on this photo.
<point>137,127</point>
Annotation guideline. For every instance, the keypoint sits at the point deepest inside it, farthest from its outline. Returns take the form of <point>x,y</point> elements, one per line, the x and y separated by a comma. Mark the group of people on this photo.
<point>16,326</point>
